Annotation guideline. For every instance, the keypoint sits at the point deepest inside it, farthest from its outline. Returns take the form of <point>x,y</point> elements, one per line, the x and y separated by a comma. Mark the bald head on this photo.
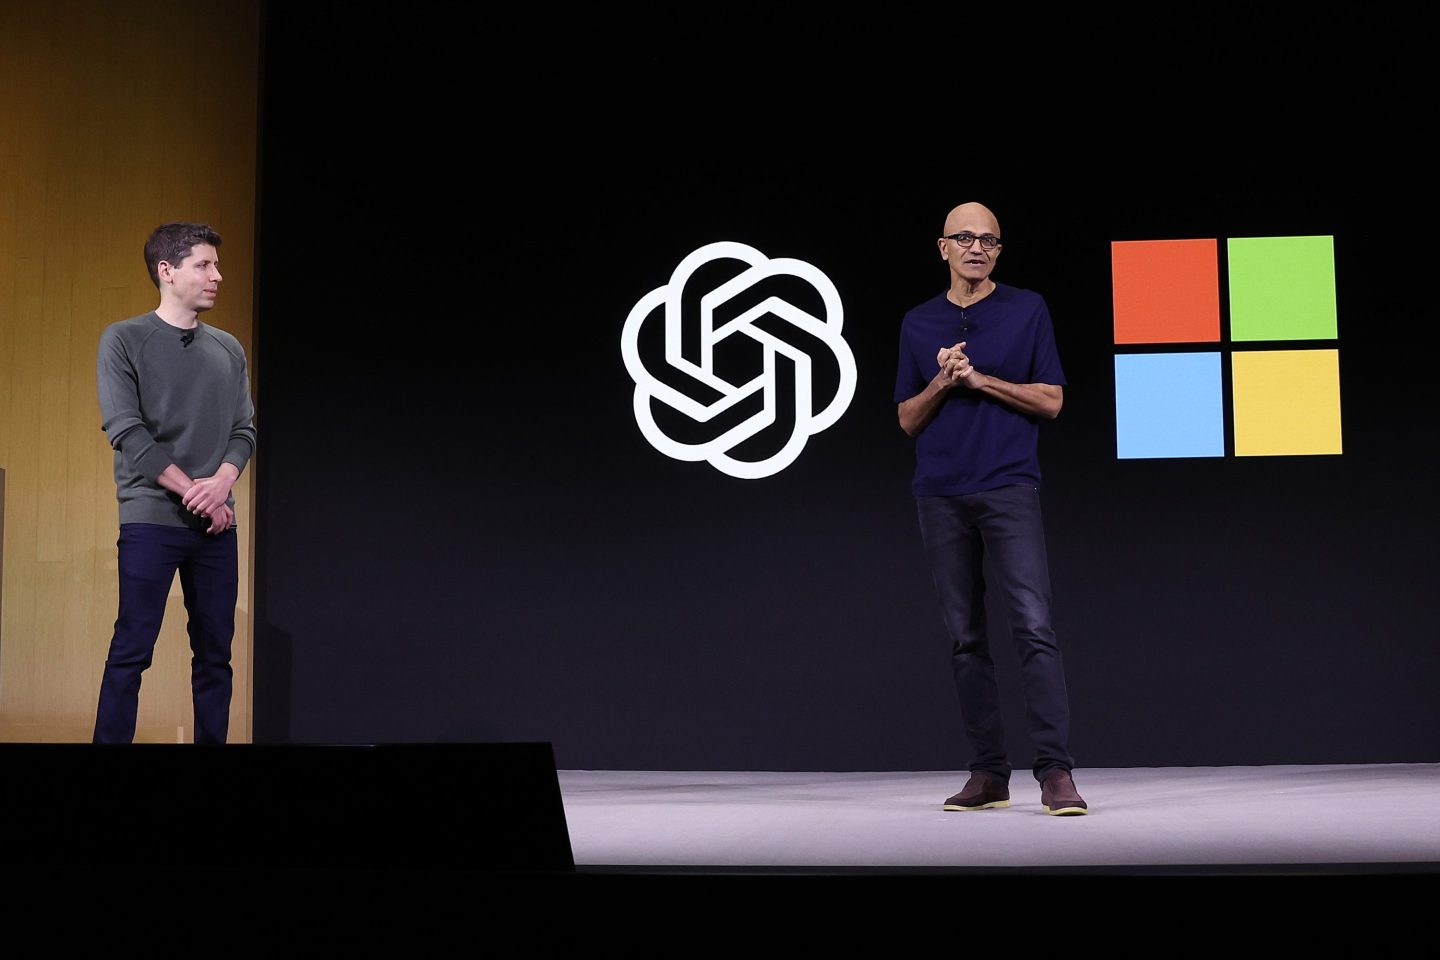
<point>974,217</point>
<point>970,263</point>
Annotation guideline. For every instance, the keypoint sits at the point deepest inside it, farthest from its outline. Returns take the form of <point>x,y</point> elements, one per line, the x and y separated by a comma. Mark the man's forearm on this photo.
<point>175,480</point>
<point>920,409</point>
<point>1035,399</point>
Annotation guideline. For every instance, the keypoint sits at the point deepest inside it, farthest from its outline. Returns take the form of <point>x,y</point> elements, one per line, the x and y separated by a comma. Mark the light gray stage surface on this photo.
<point>1372,814</point>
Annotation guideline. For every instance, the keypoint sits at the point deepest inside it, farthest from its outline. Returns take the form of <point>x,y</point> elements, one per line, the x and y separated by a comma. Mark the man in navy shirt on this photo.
<point>978,371</point>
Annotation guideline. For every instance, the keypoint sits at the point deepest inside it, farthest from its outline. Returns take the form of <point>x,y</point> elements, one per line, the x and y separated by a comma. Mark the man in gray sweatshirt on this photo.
<point>175,405</point>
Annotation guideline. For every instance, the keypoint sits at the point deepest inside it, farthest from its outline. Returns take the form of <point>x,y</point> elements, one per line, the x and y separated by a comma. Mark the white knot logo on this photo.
<point>717,450</point>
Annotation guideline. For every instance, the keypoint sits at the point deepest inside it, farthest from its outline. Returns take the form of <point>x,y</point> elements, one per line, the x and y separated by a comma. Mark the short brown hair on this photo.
<point>172,242</point>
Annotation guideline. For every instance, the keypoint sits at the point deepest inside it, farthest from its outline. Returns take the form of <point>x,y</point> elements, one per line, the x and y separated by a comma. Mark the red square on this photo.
<point>1166,291</point>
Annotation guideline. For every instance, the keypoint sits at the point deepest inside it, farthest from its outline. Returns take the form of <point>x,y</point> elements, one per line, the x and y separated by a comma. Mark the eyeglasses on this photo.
<point>987,240</point>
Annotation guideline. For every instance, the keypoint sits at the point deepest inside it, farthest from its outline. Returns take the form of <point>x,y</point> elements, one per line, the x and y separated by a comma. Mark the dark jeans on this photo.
<point>150,554</point>
<point>959,532</point>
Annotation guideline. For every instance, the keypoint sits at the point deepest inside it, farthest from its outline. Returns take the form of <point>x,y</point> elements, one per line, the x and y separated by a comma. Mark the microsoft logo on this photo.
<point>1272,386</point>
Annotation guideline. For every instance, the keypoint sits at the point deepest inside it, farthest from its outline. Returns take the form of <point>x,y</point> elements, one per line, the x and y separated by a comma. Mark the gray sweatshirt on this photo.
<point>166,397</point>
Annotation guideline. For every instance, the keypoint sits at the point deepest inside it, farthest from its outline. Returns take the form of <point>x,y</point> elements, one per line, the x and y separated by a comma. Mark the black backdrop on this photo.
<point>462,534</point>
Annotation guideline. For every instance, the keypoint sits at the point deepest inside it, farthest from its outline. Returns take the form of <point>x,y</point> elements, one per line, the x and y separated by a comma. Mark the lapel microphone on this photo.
<point>188,337</point>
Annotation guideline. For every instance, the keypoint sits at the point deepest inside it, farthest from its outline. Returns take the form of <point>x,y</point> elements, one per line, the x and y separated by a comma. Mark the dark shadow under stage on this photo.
<point>1344,819</point>
<point>444,815</point>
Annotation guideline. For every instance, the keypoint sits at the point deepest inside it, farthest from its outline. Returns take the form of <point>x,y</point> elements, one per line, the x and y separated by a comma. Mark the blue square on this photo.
<point>1168,405</point>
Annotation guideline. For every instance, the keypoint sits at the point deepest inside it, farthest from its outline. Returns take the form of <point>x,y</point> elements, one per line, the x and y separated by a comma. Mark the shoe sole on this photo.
<point>993,805</point>
<point>1065,811</point>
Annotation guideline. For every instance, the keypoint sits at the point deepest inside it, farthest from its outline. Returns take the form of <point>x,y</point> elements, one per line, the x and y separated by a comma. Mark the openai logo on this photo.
<point>763,342</point>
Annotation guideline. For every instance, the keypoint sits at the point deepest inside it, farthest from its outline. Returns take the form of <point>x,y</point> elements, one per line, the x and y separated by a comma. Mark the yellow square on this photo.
<point>1287,402</point>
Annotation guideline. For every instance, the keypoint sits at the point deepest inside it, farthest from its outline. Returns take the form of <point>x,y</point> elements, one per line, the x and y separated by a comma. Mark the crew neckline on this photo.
<point>973,303</point>
<point>170,326</point>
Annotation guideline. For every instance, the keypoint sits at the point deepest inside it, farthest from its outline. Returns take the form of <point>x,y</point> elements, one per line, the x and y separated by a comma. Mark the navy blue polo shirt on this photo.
<point>977,443</point>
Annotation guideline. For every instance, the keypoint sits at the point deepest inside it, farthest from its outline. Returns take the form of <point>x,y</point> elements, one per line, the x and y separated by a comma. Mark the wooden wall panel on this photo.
<point>103,135</point>
<point>2,539</point>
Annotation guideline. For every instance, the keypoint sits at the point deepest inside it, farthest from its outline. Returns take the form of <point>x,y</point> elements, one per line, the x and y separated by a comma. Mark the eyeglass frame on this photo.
<point>982,237</point>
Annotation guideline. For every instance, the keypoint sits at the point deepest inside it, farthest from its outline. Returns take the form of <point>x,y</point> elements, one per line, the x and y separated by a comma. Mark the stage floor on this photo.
<point>1382,817</point>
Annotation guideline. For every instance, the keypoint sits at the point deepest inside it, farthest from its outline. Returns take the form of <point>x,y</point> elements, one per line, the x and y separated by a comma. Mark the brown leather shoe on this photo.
<point>1058,796</point>
<point>983,791</point>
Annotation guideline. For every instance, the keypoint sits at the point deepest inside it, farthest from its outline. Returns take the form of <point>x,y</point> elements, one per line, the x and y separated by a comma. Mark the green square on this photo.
<point>1282,288</point>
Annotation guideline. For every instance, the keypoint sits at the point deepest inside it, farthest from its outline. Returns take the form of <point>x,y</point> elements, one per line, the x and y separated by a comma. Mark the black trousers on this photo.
<point>150,556</point>
<point>959,533</point>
